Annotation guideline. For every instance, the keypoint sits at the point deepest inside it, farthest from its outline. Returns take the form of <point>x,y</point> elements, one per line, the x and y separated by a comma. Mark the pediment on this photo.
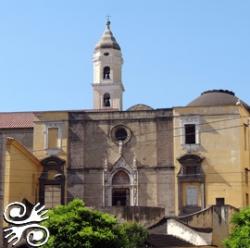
<point>190,158</point>
<point>121,164</point>
<point>52,161</point>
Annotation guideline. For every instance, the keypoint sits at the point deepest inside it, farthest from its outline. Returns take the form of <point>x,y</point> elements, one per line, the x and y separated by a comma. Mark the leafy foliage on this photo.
<point>75,226</point>
<point>240,236</point>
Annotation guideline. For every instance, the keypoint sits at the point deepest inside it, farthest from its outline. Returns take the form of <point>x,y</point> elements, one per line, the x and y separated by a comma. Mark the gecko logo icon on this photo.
<point>26,227</point>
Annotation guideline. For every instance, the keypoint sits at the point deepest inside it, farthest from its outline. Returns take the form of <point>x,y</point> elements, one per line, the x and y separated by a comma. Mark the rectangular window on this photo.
<point>192,196</point>
<point>220,201</point>
<point>190,134</point>
<point>247,200</point>
<point>53,137</point>
<point>52,195</point>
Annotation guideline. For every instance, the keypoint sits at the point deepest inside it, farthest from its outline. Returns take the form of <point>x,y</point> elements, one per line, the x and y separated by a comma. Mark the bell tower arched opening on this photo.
<point>106,100</point>
<point>106,72</point>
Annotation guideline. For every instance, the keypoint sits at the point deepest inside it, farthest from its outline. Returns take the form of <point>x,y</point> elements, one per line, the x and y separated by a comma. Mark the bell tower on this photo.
<point>107,68</point>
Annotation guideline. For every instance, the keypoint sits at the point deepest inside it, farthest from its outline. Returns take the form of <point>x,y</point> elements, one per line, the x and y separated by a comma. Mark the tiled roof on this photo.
<point>16,120</point>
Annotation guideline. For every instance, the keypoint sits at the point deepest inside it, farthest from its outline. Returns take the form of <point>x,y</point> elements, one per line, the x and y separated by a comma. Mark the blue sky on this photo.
<point>173,50</point>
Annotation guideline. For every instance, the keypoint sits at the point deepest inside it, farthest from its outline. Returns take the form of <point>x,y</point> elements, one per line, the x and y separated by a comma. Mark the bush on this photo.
<point>74,226</point>
<point>240,236</point>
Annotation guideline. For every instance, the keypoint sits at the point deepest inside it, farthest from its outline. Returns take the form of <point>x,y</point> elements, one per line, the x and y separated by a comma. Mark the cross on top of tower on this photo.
<point>108,21</point>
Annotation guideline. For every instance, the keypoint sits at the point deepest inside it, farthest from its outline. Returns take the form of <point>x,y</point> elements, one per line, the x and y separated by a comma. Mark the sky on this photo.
<point>173,50</point>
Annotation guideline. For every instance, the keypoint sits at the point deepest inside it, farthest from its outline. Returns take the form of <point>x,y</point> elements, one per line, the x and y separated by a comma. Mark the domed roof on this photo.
<point>107,40</point>
<point>216,98</point>
<point>138,107</point>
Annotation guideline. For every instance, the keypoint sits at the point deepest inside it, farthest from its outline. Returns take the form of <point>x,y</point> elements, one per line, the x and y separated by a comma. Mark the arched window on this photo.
<point>106,72</point>
<point>106,100</point>
<point>120,178</point>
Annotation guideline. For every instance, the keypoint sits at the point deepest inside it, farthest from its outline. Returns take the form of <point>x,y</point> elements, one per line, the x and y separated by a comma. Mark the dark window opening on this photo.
<point>191,170</point>
<point>106,100</point>
<point>121,134</point>
<point>220,201</point>
<point>106,72</point>
<point>190,134</point>
<point>247,199</point>
<point>120,197</point>
<point>106,54</point>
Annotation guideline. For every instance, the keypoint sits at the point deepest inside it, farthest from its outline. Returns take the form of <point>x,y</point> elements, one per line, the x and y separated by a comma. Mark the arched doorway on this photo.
<point>120,189</point>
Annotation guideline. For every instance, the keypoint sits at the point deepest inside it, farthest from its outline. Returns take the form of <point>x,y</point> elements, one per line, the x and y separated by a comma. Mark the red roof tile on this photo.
<point>16,120</point>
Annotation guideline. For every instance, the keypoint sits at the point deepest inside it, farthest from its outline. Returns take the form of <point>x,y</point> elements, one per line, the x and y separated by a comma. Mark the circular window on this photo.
<point>120,133</point>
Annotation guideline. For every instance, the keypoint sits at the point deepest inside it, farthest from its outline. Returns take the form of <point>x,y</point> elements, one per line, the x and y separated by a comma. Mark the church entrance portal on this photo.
<point>120,197</point>
<point>120,189</point>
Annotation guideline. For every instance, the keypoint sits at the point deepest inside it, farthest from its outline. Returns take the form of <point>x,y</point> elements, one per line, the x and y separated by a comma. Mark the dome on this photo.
<point>216,98</point>
<point>139,107</point>
<point>107,40</point>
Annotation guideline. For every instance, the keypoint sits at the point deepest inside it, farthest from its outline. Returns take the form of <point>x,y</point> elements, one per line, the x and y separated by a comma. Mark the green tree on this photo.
<point>240,236</point>
<point>74,226</point>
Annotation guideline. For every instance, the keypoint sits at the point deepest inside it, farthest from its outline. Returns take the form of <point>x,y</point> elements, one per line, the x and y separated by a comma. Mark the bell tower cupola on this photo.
<point>107,68</point>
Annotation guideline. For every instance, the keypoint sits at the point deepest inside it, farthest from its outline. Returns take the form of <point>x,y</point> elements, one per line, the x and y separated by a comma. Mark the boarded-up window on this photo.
<point>192,196</point>
<point>52,138</point>
<point>190,134</point>
<point>52,195</point>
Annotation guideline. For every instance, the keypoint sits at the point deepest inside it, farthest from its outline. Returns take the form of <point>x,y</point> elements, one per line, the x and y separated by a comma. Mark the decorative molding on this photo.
<point>195,119</point>
<point>108,175</point>
<point>60,126</point>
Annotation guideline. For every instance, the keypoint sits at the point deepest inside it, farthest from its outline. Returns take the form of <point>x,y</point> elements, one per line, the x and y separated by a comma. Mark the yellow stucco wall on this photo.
<point>41,122</point>
<point>221,144</point>
<point>245,152</point>
<point>21,175</point>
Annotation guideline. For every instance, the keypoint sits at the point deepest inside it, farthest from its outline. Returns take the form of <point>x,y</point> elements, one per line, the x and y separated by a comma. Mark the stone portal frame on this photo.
<point>131,171</point>
<point>185,177</point>
<point>54,164</point>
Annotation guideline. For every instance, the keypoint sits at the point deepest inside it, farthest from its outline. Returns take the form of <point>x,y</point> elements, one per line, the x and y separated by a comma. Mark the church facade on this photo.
<point>126,157</point>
